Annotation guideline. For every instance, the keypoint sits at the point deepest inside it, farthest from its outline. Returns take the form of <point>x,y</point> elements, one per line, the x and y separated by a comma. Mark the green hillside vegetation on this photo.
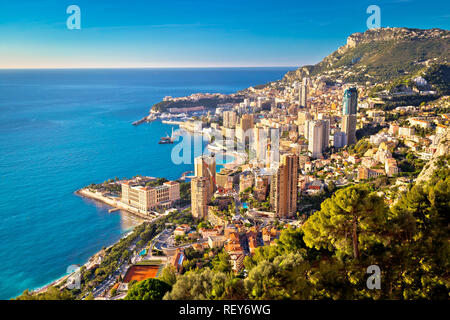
<point>384,61</point>
<point>439,77</point>
<point>115,255</point>
<point>149,289</point>
<point>328,257</point>
<point>208,103</point>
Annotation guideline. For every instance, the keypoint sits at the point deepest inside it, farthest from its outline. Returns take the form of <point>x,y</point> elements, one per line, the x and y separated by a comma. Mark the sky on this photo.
<point>194,33</point>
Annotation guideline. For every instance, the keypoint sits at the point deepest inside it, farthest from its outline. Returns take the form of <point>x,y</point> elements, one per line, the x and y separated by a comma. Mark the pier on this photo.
<point>116,204</point>
<point>173,122</point>
<point>185,175</point>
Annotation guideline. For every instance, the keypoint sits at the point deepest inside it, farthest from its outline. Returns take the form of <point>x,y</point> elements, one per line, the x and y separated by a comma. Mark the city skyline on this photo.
<point>235,151</point>
<point>158,35</point>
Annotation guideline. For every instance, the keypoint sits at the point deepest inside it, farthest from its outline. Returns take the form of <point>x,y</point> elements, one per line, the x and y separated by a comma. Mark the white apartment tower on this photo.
<point>318,136</point>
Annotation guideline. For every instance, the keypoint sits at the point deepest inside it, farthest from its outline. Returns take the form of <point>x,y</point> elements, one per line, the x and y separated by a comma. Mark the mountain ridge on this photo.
<point>379,56</point>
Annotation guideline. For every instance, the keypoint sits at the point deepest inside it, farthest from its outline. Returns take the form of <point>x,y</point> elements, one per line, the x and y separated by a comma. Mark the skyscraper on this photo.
<point>350,102</point>
<point>339,139</point>
<point>247,121</point>
<point>283,188</point>
<point>260,142</point>
<point>299,94</point>
<point>205,167</point>
<point>243,131</point>
<point>349,128</point>
<point>229,119</point>
<point>199,197</point>
<point>304,93</point>
<point>349,110</point>
<point>318,136</point>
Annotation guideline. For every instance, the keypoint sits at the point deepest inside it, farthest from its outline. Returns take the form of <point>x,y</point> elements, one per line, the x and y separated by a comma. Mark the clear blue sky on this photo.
<point>172,33</point>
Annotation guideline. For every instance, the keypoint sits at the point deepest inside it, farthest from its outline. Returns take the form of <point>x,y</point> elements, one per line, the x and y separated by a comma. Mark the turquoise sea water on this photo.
<point>63,129</point>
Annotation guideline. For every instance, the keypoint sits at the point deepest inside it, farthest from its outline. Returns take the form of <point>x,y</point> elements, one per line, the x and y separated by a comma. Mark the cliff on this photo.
<point>436,162</point>
<point>380,55</point>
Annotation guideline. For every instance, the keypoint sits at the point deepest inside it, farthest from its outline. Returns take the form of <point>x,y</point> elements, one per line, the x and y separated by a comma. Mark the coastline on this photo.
<point>238,158</point>
<point>14,286</point>
<point>87,264</point>
<point>83,192</point>
<point>115,204</point>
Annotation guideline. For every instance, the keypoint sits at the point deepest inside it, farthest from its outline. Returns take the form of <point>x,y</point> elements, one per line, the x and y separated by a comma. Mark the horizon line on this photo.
<point>145,67</point>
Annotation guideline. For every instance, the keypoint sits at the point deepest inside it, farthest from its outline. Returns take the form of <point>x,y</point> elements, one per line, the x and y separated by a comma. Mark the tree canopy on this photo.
<point>347,222</point>
<point>149,289</point>
<point>328,257</point>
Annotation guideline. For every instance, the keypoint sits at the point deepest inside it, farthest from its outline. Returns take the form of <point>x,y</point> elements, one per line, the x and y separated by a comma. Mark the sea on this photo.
<point>61,130</point>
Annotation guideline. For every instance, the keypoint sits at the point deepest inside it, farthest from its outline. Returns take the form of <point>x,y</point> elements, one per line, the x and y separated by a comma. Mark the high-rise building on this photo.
<point>273,105</point>
<point>247,121</point>
<point>229,119</point>
<point>304,93</point>
<point>283,188</point>
<point>243,131</point>
<point>339,139</point>
<point>260,143</point>
<point>259,103</point>
<point>349,110</point>
<point>299,94</point>
<point>350,102</point>
<point>205,166</point>
<point>318,133</point>
<point>199,197</point>
<point>261,187</point>
<point>349,128</point>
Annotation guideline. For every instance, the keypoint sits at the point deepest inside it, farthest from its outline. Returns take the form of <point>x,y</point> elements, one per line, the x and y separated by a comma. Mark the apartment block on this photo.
<point>205,167</point>
<point>199,197</point>
<point>148,198</point>
<point>283,189</point>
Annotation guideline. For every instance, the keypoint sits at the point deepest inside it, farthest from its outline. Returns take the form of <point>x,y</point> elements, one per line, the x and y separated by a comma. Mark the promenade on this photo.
<point>116,204</point>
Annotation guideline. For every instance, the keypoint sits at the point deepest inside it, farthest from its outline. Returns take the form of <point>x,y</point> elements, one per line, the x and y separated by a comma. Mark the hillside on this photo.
<point>382,55</point>
<point>440,159</point>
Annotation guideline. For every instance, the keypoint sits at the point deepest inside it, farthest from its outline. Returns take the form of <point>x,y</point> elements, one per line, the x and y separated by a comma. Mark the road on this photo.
<point>159,242</point>
<point>103,288</point>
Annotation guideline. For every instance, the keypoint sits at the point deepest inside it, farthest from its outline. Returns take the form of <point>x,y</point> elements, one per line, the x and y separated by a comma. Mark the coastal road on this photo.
<point>111,279</point>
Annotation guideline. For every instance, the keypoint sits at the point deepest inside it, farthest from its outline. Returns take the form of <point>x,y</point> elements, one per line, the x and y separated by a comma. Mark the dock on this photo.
<point>173,122</point>
<point>115,204</point>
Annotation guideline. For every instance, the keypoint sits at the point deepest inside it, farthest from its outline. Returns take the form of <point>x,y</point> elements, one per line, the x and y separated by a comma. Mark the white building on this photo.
<point>318,136</point>
<point>339,139</point>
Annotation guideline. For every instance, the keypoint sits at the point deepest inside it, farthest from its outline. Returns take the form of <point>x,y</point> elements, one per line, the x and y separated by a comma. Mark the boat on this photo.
<point>167,139</point>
